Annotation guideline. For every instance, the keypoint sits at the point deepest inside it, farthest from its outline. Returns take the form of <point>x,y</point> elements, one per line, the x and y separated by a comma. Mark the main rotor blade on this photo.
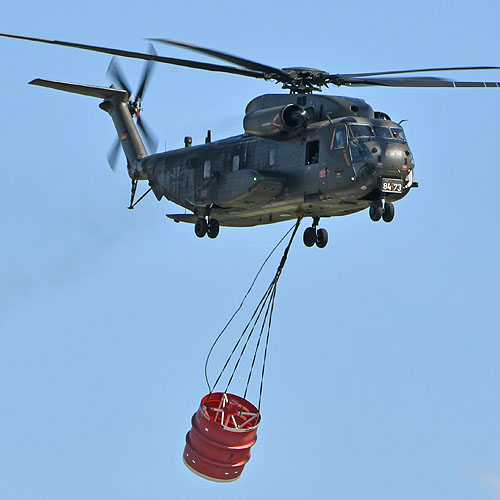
<point>424,70</point>
<point>245,63</point>
<point>147,57</point>
<point>115,72</point>
<point>424,81</point>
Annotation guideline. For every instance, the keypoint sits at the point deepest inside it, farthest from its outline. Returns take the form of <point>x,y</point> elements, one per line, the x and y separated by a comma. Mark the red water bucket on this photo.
<point>223,430</point>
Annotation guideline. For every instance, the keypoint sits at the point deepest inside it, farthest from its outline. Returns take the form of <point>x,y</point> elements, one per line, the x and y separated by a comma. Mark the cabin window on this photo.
<point>312,152</point>
<point>339,139</point>
<point>272,157</point>
<point>236,163</point>
<point>206,169</point>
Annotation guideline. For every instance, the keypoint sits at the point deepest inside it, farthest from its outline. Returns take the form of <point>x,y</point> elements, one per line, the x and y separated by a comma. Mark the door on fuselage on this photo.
<point>339,168</point>
<point>312,169</point>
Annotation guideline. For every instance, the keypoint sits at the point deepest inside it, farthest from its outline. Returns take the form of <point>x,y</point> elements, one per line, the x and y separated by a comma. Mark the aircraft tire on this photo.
<point>201,227</point>
<point>376,211</point>
<point>213,228</point>
<point>321,238</point>
<point>389,211</point>
<point>309,237</point>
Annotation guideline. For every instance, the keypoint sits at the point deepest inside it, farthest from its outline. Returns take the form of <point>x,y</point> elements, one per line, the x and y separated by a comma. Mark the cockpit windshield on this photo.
<point>361,130</point>
<point>383,132</point>
<point>366,132</point>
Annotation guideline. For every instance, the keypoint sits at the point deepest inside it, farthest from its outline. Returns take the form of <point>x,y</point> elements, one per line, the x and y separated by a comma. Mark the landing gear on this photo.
<point>313,236</point>
<point>383,211</point>
<point>210,228</point>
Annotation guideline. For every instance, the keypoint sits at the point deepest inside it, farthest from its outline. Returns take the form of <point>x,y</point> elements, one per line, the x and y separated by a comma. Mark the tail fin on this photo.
<point>116,104</point>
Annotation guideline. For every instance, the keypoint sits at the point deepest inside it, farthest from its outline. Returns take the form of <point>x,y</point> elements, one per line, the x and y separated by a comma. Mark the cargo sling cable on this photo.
<point>266,304</point>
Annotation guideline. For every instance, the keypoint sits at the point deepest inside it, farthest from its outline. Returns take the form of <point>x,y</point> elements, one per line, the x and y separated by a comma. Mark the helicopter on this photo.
<point>302,154</point>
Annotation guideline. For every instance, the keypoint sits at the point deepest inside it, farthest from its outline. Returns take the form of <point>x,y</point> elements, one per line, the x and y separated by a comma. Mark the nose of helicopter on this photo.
<point>394,159</point>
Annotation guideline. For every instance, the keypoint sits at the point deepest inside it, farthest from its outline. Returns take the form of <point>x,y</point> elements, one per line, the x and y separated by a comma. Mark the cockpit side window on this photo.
<point>398,134</point>
<point>339,140</point>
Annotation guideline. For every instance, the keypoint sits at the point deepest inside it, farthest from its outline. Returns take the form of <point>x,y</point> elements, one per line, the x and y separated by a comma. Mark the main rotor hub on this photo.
<point>305,80</point>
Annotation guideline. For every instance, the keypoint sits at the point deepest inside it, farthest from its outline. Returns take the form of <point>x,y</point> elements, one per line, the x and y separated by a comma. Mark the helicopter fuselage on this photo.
<point>342,160</point>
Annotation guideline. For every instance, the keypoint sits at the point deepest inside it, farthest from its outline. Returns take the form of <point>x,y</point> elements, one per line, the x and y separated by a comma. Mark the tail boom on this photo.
<point>115,103</point>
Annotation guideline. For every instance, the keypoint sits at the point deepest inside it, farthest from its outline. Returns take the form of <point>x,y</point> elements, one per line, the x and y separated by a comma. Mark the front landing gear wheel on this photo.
<point>388,214</point>
<point>310,236</point>
<point>201,227</point>
<point>321,238</point>
<point>376,211</point>
<point>213,228</point>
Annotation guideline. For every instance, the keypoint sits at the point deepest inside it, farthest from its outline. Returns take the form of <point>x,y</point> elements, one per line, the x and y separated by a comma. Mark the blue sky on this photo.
<point>382,376</point>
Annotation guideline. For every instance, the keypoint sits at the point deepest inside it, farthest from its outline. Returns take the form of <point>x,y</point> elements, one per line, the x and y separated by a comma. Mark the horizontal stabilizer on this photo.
<point>77,88</point>
<point>191,219</point>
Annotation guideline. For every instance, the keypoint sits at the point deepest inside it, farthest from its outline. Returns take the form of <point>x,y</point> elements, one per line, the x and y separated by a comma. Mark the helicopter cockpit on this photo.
<point>381,143</point>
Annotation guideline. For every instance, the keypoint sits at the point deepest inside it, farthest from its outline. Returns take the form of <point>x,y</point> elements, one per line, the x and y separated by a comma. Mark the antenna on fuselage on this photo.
<point>208,138</point>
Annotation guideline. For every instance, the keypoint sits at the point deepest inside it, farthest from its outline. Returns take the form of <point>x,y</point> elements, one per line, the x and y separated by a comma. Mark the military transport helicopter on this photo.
<point>301,153</point>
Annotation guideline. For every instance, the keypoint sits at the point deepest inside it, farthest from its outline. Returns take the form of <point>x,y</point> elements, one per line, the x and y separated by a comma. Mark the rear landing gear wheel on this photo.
<point>321,238</point>
<point>310,237</point>
<point>213,228</point>
<point>376,211</point>
<point>201,227</point>
<point>388,214</point>
<point>313,236</point>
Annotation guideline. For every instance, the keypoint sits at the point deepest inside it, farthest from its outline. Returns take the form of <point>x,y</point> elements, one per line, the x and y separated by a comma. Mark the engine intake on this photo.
<point>279,123</point>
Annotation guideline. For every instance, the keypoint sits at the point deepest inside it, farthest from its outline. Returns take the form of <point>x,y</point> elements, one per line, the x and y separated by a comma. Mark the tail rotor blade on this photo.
<point>113,154</point>
<point>149,137</point>
<point>115,73</point>
<point>148,67</point>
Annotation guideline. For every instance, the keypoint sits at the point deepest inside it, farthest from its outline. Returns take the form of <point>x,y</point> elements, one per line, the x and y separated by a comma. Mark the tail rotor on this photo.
<point>134,105</point>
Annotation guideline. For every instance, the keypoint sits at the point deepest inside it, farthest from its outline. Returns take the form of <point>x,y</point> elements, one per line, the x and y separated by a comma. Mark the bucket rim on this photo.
<point>251,413</point>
